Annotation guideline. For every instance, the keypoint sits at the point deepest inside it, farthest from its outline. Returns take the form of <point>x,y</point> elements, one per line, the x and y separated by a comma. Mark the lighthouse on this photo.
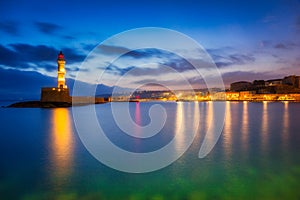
<point>60,96</point>
<point>61,93</point>
<point>61,71</point>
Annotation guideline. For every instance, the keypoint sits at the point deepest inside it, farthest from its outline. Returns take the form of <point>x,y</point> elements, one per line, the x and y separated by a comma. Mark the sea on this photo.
<point>256,155</point>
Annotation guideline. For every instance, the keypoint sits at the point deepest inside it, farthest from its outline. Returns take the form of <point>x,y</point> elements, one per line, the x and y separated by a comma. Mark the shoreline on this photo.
<point>39,104</point>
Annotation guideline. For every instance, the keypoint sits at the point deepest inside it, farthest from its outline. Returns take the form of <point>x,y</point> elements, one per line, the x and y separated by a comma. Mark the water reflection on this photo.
<point>227,141</point>
<point>196,116</point>
<point>137,113</point>
<point>209,114</point>
<point>209,124</point>
<point>138,118</point>
<point>138,121</point>
<point>62,145</point>
<point>245,126</point>
<point>186,127</point>
<point>285,125</point>
<point>179,126</point>
<point>264,127</point>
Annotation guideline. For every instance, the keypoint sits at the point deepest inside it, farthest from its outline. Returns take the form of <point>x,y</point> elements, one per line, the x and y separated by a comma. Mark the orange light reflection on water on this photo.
<point>245,126</point>
<point>264,127</point>
<point>62,143</point>
<point>209,123</point>
<point>227,141</point>
<point>285,125</point>
<point>179,126</point>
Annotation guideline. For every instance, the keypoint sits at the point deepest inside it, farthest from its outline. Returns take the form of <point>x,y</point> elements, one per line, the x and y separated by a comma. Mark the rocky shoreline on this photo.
<point>39,104</point>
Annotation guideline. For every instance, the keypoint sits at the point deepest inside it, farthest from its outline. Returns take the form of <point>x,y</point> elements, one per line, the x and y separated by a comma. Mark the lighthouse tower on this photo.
<point>61,93</point>
<point>61,71</point>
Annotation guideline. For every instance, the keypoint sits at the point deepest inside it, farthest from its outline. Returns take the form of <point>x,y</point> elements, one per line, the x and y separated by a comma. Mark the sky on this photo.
<point>246,40</point>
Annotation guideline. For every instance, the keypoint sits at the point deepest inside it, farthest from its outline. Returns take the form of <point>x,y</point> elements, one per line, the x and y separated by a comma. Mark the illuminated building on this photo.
<point>60,93</point>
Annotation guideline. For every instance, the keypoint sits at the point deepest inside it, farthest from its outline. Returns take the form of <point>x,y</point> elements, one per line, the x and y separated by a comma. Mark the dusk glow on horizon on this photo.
<point>247,40</point>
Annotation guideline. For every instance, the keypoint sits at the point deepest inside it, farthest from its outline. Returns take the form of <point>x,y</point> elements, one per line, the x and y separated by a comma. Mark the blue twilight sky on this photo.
<point>247,39</point>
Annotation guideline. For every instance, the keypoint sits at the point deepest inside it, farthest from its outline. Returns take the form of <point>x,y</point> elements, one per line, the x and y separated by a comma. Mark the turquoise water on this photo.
<point>256,157</point>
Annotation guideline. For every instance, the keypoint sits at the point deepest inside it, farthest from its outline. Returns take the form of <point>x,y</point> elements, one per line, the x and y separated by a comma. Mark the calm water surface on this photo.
<point>256,157</point>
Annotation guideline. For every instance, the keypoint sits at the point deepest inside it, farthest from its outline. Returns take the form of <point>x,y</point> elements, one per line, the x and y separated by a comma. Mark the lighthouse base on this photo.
<point>56,95</point>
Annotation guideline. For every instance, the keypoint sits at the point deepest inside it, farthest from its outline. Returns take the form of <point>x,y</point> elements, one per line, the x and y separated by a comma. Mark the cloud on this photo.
<point>182,65</point>
<point>144,56</point>
<point>47,67</point>
<point>10,27</point>
<point>68,37</point>
<point>115,70</point>
<point>234,59</point>
<point>153,55</point>
<point>25,56</point>
<point>179,65</point>
<point>47,28</point>
<point>285,46</point>
<point>280,46</point>
<point>88,47</point>
<point>146,81</point>
<point>134,53</point>
<point>227,56</point>
<point>32,53</point>
<point>150,55</point>
<point>112,50</point>
<point>74,69</point>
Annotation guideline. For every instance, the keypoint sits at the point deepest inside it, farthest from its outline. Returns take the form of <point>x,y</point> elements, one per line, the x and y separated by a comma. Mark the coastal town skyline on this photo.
<point>239,36</point>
